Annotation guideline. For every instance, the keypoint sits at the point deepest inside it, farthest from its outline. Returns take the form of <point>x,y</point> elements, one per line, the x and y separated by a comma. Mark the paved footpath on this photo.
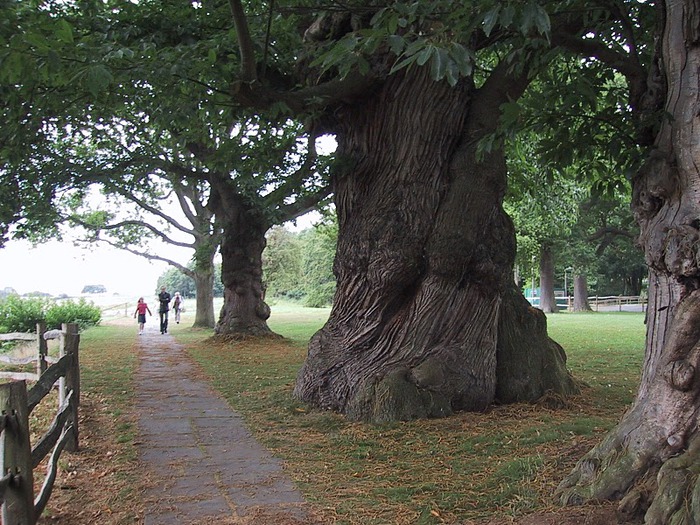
<point>202,464</point>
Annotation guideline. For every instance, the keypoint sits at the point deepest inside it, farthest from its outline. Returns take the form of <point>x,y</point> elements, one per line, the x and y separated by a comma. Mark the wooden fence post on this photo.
<point>18,507</point>
<point>41,365</point>
<point>71,346</point>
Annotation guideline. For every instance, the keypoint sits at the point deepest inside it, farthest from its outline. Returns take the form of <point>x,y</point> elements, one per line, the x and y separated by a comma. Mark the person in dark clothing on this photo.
<point>164,298</point>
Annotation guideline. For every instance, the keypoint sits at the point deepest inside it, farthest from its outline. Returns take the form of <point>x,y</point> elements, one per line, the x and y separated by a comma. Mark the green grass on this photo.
<point>108,362</point>
<point>606,350</point>
<point>296,322</point>
<point>469,466</point>
<point>500,464</point>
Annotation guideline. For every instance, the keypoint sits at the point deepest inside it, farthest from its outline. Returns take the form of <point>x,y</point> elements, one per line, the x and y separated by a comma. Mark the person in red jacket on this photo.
<point>141,309</point>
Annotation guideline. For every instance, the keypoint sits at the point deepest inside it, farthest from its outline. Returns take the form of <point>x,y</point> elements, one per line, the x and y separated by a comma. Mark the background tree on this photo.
<point>299,265</point>
<point>147,210</point>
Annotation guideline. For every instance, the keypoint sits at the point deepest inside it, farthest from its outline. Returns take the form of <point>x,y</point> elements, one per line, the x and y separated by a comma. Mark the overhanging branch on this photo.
<point>245,43</point>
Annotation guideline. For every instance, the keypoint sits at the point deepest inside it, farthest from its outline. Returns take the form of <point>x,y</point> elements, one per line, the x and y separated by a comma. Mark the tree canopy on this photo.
<point>424,99</point>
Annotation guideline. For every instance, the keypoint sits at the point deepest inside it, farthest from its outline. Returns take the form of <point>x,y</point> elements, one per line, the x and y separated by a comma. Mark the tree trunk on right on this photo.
<point>652,458</point>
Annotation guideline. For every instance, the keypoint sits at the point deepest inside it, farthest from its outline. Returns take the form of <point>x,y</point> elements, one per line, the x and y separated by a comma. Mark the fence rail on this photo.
<point>19,458</point>
<point>597,303</point>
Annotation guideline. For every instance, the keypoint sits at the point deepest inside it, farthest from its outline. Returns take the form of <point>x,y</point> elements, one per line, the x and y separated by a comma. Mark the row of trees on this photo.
<point>427,101</point>
<point>596,252</point>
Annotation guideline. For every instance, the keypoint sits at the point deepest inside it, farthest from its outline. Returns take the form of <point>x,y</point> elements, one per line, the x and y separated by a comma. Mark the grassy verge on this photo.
<point>504,463</point>
<point>101,483</point>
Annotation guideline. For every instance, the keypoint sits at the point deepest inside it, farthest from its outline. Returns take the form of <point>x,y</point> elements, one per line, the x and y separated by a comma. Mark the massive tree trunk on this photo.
<point>424,263</point>
<point>244,312</point>
<point>652,458</point>
<point>548,301</point>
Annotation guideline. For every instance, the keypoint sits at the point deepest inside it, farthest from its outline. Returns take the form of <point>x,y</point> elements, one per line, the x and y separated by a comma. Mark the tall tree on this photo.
<point>650,458</point>
<point>426,319</point>
<point>143,222</point>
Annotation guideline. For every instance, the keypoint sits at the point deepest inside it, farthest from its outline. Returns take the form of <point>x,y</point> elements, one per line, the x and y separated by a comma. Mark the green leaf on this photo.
<point>424,55</point>
<point>507,15</point>
<point>438,64</point>
<point>64,32</point>
<point>462,58</point>
<point>97,79</point>
<point>37,40</point>
<point>491,19</point>
<point>452,73</point>
<point>404,63</point>
<point>393,24</point>
<point>510,114</point>
<point>542,21</point>
<point>396,44</point>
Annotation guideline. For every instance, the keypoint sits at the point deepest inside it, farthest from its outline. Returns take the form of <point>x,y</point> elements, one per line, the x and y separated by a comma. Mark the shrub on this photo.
<point>83,313</point>
<point>22,315</point>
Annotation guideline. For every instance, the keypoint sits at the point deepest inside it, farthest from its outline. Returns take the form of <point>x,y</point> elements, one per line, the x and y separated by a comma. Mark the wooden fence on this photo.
<point>19,458</point>
<point>609,303</point>
<point>597,303</point>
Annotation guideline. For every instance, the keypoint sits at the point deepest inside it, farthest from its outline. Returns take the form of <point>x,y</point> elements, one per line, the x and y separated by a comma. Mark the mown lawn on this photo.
<point>468,468</point>
<point>504,463</point>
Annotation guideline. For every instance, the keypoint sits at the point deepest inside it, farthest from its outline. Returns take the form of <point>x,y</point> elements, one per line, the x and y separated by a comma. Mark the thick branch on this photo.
<point>153,210</point>
<point>123,224</point>
<point>303,205</point>
<point>609,231</point>
<point>245,43</point>
<point>315,97</point>
<point>592,48</point>
<point>150,256</point>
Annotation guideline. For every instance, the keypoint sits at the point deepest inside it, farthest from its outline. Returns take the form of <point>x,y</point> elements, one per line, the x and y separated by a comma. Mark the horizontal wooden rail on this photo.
<point>19,459</point>
<point>18,336</point>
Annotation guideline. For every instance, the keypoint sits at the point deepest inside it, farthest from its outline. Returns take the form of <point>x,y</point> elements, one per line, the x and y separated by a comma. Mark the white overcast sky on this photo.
<point>62,268</point>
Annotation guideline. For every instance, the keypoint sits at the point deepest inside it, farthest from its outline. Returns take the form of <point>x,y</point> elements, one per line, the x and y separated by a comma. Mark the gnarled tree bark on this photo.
<point>651,459</point>
<point>424,263</point>
<point>244,312</point>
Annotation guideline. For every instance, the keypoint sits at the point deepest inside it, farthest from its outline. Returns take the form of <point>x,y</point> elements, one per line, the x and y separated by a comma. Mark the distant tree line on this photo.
<point>297,266</point>
<point>176,281</point>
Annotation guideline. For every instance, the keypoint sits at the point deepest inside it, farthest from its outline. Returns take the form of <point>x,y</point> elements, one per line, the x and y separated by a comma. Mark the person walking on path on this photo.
<point>141,309</point>
<point>177,306</point>
<point>164,298</point>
